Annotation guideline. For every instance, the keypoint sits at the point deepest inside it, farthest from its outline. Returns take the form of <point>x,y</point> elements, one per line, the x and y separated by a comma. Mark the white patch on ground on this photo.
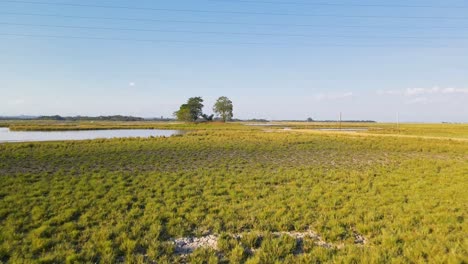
<point>187,245</point>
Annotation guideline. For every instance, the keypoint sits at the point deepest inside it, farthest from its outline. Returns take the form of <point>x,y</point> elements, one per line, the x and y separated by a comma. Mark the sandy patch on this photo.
<point>187,245</point>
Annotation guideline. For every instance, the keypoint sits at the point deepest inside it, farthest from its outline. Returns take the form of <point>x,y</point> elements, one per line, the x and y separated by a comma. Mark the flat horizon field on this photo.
<point>231,193</point>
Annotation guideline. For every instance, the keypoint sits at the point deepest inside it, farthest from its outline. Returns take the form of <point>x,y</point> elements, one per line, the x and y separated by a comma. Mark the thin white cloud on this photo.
<point>410,92</point>
<point>131,84</point>
<point>418,91</point>
<point>389,92</point>
<point>454,91</point>
<point>418,100</point>
<point>17,102</point>
<point>332,96</point>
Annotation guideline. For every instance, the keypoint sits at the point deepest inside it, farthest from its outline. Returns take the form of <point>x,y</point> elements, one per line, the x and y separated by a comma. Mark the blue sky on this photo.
<point>275,59</point>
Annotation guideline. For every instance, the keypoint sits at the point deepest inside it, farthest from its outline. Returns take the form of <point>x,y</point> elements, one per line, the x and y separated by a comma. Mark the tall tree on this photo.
<point>183,114</point>
<point>191,110</point>
<point>223,107</point>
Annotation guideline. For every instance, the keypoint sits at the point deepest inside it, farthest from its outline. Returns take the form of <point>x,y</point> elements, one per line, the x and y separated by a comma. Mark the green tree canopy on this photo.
<point>190,111</point>
<point>223,108</point>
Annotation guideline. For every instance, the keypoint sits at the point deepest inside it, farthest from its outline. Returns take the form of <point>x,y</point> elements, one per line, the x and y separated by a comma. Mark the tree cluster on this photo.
<point>192,110</point>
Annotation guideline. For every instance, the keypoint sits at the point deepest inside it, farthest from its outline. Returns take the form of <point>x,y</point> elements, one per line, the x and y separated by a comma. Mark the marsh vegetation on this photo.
<point>128,200</point>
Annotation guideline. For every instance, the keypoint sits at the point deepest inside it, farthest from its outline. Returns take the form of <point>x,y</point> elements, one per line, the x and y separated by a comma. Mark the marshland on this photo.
<point>378,195</point>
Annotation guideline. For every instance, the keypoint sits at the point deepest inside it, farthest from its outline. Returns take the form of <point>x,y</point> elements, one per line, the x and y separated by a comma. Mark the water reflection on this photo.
<point>30,136</point>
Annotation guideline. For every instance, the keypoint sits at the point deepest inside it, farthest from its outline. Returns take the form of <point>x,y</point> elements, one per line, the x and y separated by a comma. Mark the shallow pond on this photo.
<point>30,136</point>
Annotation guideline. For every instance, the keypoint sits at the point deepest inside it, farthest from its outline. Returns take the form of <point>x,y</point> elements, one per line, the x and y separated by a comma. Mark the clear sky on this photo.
<point>276,59</point>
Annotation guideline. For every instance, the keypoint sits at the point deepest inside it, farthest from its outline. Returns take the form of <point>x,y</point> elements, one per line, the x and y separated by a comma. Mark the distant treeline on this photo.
<point>17,117</point>
<point>76,118</point>
<point>109,118</point>
<point>326,121</point>
<point>91,118</point>
<point>343,121</point>
<point>133,118</point>
<point>250,120</point>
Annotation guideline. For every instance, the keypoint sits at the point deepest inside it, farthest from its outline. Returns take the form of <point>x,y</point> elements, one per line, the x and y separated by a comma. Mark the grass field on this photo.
<point>126,200</point>
<point>426,130</point>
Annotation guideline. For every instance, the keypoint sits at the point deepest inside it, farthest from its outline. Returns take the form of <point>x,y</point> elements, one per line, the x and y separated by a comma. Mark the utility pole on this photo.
<point>340,120</point>
<point>398,122</point>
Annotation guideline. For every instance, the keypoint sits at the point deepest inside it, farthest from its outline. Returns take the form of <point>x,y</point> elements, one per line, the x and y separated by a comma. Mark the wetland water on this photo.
<point>30,136</point>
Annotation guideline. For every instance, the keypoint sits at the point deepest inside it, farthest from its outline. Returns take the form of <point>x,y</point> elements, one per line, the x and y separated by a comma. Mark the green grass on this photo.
<point>106,125</point>
<point>426,130</point>
<point>459,131</point>
<point>121,200</point>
